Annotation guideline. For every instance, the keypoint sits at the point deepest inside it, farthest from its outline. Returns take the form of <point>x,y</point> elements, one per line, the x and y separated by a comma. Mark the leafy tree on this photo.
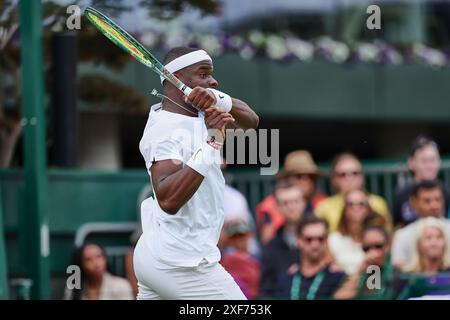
<point>93,48</point>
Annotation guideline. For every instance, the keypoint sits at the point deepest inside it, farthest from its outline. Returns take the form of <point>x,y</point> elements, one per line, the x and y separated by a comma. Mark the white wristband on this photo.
<point>223,100</point>
<point>204,158</point>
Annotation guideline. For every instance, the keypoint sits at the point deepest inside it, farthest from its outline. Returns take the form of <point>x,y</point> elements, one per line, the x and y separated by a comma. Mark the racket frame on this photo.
<point>140,53</point>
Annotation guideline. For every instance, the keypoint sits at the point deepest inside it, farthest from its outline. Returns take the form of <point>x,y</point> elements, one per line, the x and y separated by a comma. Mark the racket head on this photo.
<point>124,40</point>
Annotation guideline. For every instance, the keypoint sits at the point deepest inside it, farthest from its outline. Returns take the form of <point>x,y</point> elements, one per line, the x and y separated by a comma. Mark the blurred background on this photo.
<point>73,107</point>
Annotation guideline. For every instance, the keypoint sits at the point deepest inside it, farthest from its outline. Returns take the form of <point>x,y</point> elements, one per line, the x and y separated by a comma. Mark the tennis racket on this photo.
<point>130,45</point>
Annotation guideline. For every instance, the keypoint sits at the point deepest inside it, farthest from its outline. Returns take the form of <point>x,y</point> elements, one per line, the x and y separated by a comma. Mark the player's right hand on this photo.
<point>217,119</point>
<point>202,98</point>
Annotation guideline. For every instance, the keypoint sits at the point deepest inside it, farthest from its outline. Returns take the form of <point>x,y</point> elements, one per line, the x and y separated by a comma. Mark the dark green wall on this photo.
<point>74,198</point>
<point>321,89</point>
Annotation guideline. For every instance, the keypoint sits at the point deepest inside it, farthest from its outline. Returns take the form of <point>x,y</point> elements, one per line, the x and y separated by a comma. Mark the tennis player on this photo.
<point>177,255</point>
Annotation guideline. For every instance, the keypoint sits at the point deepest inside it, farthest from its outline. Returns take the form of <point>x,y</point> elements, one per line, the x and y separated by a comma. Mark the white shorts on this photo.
<point>208,281</point>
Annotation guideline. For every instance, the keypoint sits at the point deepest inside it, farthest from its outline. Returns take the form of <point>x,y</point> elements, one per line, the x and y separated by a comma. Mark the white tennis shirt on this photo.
<point>191,235</point>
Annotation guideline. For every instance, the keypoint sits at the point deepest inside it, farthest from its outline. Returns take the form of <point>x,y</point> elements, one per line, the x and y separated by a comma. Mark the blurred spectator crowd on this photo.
<point>304,244</point>
<point>348,245</point>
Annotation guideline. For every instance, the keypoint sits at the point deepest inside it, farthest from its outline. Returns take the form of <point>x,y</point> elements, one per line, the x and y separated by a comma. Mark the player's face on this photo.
<point>432,243</point>
<point>94,261</point>
<point>199,75</point>
<point>425,163</point>
<point>348,175</point>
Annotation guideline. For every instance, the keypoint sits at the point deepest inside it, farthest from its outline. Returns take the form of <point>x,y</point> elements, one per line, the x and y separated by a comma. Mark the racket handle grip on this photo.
<point>186,90</point>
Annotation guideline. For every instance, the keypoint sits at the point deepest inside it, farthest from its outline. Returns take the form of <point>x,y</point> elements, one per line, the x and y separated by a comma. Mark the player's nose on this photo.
<point>212,83</point>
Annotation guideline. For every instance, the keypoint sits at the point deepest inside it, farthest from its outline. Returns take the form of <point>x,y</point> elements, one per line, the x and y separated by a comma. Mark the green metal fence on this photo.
<point>76,197</point>
<point>381,178</point>
<point>3,271</point>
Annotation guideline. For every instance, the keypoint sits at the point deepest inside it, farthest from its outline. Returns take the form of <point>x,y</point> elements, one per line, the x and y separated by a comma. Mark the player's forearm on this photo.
<point>175,190</point>
<point>244,116</point>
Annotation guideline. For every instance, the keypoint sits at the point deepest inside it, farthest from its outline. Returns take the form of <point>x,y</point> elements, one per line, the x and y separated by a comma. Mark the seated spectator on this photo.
<point>375,244</point>
<point>299,169</point>
<point>345,244</point>
<point>432,251</point>
<point>237,260</point>
<point>236,207</point>
<point>146,192</point>
<point>346,175</point>
<point>281,252</point>
<point>431,256</point>
<point>424,163</point>
<point>428,201</point>
<point>314,276</point>
<point>129,266</point>
<point>96,282</point>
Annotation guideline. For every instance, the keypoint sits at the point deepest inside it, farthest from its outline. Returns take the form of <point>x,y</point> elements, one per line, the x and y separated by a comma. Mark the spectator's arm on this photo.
<point>267,233</point>
<point>349,287</point>
<point>268,276</point>
<point>129,272</point>
<point>399,249</point>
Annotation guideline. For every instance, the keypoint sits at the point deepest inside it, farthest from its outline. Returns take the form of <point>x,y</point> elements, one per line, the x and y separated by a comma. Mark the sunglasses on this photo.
<point>349,174</point>
<point>288,202</point>
<point>356,204</point>
<point>377,246</point>
<point>311,239</point>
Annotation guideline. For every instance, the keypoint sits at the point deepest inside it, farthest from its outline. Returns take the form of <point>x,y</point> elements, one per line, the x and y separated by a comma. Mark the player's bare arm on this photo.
<point>203,98</point>
<point>245,117</point>
<point>174,184</point>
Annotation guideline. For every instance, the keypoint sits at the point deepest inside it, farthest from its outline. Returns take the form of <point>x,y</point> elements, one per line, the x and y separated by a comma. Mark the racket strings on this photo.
<point>161,96</point>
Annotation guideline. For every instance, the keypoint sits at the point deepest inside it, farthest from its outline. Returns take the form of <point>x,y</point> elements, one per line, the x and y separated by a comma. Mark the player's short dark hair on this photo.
<point>311,219</point>
<point>427,185</point>
<point>422,141</point>
<point>177,52</point>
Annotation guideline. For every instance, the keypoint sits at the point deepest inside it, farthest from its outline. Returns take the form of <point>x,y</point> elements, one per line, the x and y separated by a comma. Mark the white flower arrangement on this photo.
<point>333,50</point>
<point>282,46</point>
<point>430,56</point>
<point>303,50</point>
<point>276,47</point>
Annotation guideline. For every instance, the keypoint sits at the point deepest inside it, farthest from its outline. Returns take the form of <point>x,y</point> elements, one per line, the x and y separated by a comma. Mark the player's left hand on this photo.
<point>218,119</point>
<point>202,98</point>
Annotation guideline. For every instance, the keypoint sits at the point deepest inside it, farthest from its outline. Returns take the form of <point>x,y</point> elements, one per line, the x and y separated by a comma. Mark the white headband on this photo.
<point>186,60</point>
